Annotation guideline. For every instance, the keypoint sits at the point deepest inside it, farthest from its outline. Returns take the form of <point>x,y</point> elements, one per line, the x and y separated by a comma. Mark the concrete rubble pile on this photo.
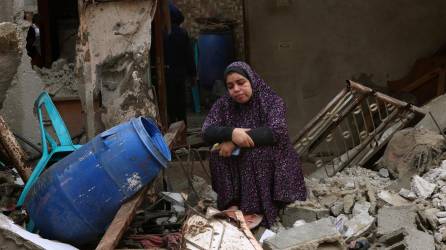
<point>59,80</point>
<point>375,208</point>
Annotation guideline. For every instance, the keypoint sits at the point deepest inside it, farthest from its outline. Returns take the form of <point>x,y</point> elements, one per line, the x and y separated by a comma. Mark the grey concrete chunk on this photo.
<point>392,199</point>
<point>421,187</point>
<point>349,201</point>
<point>308,214</point>
<point>359,225</point>
<point>405,193</point>
<point>337,208</point>
<point>308,236</point>
<point>417,240</point>
<point>391,219</point>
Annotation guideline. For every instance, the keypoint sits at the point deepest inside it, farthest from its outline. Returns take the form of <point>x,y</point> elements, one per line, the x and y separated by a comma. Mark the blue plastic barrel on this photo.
<point>75,200</point>
<point>216,52</point>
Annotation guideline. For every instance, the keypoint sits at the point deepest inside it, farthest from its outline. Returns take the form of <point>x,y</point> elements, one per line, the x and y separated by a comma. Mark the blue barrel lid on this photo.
<point>152,138</point>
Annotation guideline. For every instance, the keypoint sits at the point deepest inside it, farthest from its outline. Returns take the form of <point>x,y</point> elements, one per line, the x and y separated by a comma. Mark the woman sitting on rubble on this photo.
<point>265,174</point>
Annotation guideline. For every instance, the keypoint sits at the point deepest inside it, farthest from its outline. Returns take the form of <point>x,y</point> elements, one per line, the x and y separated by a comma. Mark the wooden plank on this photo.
<point>14,151</point>
<point>126,213</point>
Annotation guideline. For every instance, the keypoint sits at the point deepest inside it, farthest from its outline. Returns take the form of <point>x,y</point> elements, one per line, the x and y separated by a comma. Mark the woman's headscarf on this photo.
<point>258,111</point>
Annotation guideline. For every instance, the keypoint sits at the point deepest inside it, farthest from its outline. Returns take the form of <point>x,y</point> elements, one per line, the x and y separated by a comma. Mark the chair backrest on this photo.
<point>57,123</point>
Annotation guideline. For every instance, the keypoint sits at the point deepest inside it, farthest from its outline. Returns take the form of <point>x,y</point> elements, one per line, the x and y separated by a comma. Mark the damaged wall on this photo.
<point>6,11</point>
<point>19,83</point>
<point>193,9</point>
<point>10,54</point>
<point>302,47</point>
<point>112,62</point>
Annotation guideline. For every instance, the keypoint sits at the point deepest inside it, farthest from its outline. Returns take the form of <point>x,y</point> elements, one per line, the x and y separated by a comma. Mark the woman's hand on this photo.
<point>241,138</point>
<point>226,148</point>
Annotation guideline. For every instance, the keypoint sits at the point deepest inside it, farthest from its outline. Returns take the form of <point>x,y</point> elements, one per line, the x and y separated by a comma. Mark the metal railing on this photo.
<point>353,127</point>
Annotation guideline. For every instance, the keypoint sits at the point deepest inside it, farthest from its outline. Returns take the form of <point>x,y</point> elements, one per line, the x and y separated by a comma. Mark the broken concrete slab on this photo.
<point>328,200</point>
<point>428,217</point>
<point>362,207</point>
<point>384,172</point>
<point>294,212</point>
<point>436,107</point>
<point>417,240</point>
<point>404,238</point>
<point>391,219</point>
<point>358,226</point>
<point>392,199</point>
<point>421,187</point>
<point>308,236</point>
<point>14,237</point>
<point>337,208</point>
<point>407,194</point>
<point>349,201</point>
<point>204,190</point>
<point>440,235</point>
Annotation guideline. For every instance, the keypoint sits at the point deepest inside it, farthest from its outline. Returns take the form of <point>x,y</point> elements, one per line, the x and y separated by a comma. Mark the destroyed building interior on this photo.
<point>103,136</point>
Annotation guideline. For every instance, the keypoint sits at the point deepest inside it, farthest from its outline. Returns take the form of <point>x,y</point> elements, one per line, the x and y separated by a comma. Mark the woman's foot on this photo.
<point>253,220</point>
<point>232,208</point>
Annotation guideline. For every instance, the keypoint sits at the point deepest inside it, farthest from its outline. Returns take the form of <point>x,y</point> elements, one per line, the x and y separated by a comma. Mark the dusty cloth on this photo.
<point>169,241</point>
<point>412,149</point>
<point>261,179</point>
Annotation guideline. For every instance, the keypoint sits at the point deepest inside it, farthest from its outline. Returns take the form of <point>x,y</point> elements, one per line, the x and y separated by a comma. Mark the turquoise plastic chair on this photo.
<point>59,149</point>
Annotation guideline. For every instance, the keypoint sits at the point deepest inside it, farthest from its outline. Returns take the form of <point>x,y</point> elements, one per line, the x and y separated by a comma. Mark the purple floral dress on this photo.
<point>261,179</point>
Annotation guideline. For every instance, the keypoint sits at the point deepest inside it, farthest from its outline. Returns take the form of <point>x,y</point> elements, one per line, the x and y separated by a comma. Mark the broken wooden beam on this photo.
<point>127,212</point>
<point>14,151</point>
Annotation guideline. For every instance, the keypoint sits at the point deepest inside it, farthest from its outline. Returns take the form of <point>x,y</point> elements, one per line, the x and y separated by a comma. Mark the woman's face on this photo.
<point>239,87</point>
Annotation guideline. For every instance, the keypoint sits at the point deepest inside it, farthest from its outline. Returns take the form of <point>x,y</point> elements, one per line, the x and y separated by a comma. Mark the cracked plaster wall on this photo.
<point>307,49</point>
<point>20,84</point>
<point>112,62</point>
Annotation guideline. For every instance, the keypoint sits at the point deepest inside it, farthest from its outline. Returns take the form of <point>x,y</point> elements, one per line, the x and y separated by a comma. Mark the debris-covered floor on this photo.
<point>386,190</point>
